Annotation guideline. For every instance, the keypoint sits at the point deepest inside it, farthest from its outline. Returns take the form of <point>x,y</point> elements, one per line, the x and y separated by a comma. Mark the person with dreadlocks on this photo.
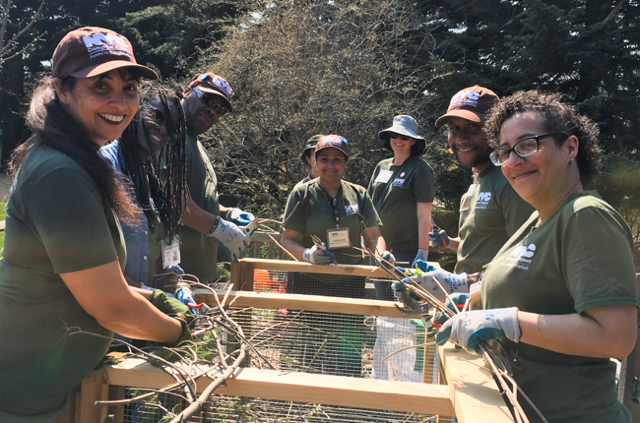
<point>156,135</point>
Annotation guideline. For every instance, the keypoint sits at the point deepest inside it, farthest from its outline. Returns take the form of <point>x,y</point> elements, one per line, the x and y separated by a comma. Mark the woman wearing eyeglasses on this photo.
<point>402,190</point>
<point>561,294</point>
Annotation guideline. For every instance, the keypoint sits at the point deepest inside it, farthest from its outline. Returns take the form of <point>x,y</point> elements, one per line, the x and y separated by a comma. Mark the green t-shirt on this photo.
<point>395,190</point>
<point>198,252</point>
<point>314,216</point>
<point>56,223</point>
<point>496,211</point>
<point>580,258</point>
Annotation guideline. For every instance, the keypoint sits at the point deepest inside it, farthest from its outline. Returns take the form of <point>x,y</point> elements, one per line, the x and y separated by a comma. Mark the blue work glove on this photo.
<point>230,238</point>
<point>421,255</point>
<point>451,282</point>
<point>469,328</point>
<point>317,255</point>
<point>459,301</point>
<point>387,256</point>
<point>240,217</point>
<point>439,239</point>
<point>184,294</point>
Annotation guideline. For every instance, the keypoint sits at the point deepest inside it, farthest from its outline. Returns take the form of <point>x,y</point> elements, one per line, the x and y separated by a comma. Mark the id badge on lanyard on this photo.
<point>170,253</point>
<point>338,238</point>
<point>384,176</point>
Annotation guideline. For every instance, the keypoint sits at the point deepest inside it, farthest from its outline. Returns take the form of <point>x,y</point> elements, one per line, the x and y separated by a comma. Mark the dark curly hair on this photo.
<point>555,116</point>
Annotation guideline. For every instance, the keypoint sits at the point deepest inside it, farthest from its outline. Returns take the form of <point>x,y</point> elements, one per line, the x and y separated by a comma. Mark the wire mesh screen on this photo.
<point>335,343</point>
<point>242,409</point>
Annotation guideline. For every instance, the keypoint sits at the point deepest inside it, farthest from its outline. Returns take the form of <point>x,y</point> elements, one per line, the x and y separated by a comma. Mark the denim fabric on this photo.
<point>137,237</point>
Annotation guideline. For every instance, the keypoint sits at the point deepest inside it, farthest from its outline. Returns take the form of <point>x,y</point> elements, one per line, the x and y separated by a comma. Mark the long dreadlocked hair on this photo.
<point>168,195</point>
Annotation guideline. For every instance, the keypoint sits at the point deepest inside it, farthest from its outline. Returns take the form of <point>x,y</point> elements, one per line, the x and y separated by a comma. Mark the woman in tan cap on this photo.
<point>62,291</point>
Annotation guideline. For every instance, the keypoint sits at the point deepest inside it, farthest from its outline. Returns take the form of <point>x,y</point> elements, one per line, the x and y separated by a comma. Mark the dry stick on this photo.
<point>281,247</point>
<point>316,354</point>
<point>407,348</point>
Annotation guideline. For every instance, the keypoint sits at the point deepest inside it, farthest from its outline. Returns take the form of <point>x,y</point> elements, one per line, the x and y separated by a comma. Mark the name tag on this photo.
<point>338,238</point>
<point>351,209</point>
<point>384,176</point>
<point>398,182</point>
<point>170,253</point>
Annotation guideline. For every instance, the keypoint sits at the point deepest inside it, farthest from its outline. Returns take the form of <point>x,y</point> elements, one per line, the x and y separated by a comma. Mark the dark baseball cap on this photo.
<point>309,147</point>
<point>333,141</point>
<point>91,51</point>
<point>470,103</point>
<point>213,84</point>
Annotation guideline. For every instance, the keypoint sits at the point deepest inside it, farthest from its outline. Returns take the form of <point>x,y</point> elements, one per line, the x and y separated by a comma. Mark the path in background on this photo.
<point>5,186</point>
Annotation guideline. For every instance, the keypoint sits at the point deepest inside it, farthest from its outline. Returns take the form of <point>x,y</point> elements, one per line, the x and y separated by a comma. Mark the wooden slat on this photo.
<point>472,390</point>
<point>307,303</point>
<point>93,388</point>
<point>302,387</point>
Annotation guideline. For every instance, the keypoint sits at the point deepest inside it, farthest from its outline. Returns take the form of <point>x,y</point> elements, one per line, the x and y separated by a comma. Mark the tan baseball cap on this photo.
<point>92,51</point>
<point>213,84</point>
<point>333,141</point>
<point>470,103</point>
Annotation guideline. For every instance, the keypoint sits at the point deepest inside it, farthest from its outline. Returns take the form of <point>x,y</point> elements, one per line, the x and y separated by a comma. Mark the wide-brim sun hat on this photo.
<point>333,141</point>
<point>407,126</point>
<point>214,84</point>
<point>91,51</point>
<point>470,103</point>
<point>309,148</point>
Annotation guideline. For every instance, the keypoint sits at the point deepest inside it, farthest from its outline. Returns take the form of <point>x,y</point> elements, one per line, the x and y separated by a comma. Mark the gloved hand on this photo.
<point>468,328</point>
<point>169,276</point>
<point>440,239</point>
<point>230,238</point>
<point>451,282</point>
<point>421,255</point>
<point>459,300</point>
<point>317,255</point>
<point>177,310</point>
<point>184,294</point>
<point>387,256</point>
<point>240,217</point>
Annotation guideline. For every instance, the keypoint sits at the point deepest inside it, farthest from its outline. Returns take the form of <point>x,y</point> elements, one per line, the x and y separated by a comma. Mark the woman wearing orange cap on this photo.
<point>62,291</point>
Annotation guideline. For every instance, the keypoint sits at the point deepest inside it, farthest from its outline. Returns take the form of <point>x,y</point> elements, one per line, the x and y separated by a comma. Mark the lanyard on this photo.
<point>339,213</point>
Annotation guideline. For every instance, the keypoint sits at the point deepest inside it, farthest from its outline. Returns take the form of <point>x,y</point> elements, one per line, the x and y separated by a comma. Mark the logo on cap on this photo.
<point>102,43</point>
<point>465,98</point>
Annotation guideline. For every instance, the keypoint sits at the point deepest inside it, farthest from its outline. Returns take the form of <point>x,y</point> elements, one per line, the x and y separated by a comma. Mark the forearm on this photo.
<point>455,242</point>
<point>292,246</point>
<point>197,218</point>
<point>424,225</point>
<point>581,334</point>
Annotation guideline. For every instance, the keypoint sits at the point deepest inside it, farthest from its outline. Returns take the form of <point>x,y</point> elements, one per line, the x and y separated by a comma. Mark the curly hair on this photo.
<point>169,196</point>
<point>555,116</point>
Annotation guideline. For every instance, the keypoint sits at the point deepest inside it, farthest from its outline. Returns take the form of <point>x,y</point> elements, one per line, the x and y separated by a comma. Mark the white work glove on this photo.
<point>421,255</point>
<point>316,255</point>
<point>468,328</point>
<point>230,238</point>
<point>387,256</point>
<point>451,282</point>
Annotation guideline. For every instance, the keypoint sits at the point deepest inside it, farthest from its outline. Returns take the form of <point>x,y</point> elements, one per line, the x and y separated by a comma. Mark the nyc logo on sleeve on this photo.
<point>483,200</point>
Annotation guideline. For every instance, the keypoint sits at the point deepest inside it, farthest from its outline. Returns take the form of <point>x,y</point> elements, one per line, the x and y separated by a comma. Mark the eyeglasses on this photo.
<point>398,136</point>
<point>212,103</point>
<point>525,148</point>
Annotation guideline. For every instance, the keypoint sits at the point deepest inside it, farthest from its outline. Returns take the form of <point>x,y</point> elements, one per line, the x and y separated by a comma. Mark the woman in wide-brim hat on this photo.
<point>402,190</point>
<point>62,291</point>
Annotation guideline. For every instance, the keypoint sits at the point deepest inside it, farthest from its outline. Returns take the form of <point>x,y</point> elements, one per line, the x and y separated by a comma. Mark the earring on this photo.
<point>571,162</point>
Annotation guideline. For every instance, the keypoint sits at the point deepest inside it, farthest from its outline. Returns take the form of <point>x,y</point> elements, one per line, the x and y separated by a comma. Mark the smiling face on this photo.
<point>546,175</point>
<point>400,147</point>
<point>200,117</point>
<point>330,163</point>
<point>153,126</point>
<point>468,142</point>
<point>104,105</point>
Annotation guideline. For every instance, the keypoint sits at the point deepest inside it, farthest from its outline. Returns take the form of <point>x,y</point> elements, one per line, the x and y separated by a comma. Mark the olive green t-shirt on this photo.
<point>198,252</point>
<point>56,223</point>
<point>578,259</point>
<point>496,211</point>
<point>395,190</point>
<point>315,215</point>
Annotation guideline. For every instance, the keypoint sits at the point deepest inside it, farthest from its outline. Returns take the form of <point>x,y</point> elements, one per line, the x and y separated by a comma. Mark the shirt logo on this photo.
<point>520,257</point>
<point>398,182</point>
<point>351,209</point>
<point>483,200</point>
<point>101,43</point>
